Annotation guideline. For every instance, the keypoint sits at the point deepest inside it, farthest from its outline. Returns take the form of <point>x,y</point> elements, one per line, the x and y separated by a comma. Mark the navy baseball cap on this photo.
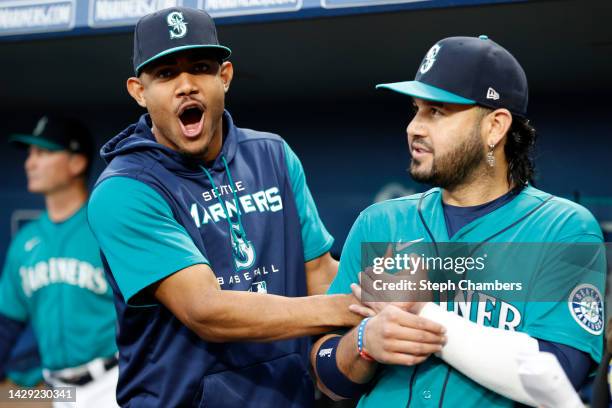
<point>57,133</point>
<point>469,71</point>
<point>172,30</point>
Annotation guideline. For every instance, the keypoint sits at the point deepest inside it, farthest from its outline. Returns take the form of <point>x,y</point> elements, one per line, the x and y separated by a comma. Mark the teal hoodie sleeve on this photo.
<point>139,236</point>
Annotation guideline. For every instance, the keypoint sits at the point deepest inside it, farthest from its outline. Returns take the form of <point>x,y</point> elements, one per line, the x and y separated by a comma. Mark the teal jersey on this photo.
<point>531,217</point>
<point>53,277</point>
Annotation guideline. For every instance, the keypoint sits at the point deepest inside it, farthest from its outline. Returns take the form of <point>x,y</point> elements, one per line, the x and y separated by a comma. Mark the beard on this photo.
<point>455,167</point>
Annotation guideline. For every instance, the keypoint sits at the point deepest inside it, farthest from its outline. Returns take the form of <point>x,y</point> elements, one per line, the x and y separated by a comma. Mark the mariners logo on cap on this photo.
<point>177,24</point>
<point>430,58</point>
<point>586,307</point>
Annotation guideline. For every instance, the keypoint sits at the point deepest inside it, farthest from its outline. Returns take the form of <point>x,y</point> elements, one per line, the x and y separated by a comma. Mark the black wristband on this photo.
<point>330,374</point>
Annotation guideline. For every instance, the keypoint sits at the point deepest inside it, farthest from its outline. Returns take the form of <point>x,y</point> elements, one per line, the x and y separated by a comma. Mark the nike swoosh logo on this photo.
<point>29,245</point>
<point>400,246</point>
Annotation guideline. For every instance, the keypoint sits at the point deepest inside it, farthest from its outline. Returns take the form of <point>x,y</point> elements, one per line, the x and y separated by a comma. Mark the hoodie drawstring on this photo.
<point>241,231</point>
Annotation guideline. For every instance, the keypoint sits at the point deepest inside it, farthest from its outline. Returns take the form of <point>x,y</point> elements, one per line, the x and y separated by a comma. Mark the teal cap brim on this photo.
<point>29,140</point>
<point>224,51</point>
<point>420,90</point>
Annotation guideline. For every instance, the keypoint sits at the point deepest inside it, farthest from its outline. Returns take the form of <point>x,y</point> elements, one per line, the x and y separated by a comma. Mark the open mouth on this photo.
<point>192,121</point>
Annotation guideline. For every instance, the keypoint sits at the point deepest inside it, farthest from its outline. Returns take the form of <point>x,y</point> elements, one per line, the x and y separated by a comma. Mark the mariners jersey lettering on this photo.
<point>576,322</point>
<point>250,216</point>
<point>62,270</point>
<point>54,278</point>
<point>260,201</point>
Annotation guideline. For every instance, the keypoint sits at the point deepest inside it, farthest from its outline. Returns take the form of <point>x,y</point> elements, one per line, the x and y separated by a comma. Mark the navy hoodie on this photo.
<point>251,217</point>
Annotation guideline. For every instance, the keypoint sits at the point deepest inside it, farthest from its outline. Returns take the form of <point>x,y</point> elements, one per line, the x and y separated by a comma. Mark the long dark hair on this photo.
<point>519,149</point>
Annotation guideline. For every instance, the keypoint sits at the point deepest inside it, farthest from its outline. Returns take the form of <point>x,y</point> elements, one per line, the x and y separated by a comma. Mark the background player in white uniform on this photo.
<point>53,277</point>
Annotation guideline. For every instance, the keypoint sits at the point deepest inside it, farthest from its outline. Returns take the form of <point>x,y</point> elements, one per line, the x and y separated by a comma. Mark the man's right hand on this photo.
<point>395,336</point>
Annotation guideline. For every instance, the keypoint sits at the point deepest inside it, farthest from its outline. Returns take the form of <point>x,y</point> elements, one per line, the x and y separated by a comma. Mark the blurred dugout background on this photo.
<point>307,70</point>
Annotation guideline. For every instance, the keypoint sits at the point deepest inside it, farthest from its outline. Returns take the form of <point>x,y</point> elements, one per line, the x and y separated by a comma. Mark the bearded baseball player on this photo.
<point>471,140</point>
<point>53,276</point>
<point>210,237</point>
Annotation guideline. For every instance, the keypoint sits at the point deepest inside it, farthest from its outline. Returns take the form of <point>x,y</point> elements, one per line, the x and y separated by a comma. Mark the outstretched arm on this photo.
<point>195,298</point>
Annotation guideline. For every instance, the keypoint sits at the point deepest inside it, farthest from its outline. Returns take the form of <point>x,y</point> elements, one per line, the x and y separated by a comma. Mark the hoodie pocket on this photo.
<point>282,382</point>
